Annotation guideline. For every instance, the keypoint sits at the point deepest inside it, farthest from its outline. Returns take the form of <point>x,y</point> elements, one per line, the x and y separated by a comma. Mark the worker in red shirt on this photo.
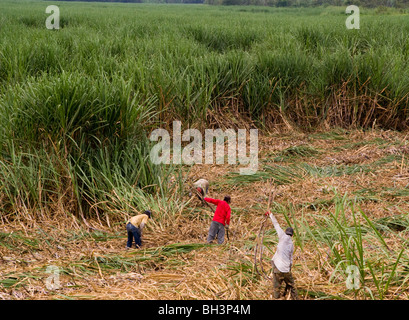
<point>221,219</point>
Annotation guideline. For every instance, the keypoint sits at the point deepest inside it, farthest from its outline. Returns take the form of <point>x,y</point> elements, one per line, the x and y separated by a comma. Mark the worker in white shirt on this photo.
<point>201,187</point>
<point>283,260</point>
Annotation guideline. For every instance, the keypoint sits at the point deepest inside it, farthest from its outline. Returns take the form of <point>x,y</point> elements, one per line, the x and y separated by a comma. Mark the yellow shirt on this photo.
<point>138,220</point>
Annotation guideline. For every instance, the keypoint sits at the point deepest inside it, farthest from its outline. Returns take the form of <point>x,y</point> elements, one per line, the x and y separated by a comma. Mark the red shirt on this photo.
<point>222,213</point>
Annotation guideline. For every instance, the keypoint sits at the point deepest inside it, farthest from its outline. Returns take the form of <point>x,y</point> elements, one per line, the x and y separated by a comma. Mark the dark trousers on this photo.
<point>133,233</point>
<point>216,229</point>
<point>286,277</point>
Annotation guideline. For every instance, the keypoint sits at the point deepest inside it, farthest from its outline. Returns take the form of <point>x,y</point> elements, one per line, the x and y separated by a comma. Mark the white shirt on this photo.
<point>283,258</point>
<point>202,183</point>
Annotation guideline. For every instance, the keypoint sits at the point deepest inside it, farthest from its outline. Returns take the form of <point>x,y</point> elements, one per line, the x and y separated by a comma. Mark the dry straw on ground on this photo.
<point>176,263</point>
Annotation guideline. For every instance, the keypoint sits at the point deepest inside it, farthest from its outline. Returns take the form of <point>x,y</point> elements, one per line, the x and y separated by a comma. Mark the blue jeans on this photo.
<point>133,233</point>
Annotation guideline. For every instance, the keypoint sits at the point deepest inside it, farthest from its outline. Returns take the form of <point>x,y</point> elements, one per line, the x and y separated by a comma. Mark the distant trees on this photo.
<point>312,3</point>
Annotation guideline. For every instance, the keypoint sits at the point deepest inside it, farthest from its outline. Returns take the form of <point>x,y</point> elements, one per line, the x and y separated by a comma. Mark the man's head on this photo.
<point>227,199</point>
<point>289,231</point>
<point>148,213</point>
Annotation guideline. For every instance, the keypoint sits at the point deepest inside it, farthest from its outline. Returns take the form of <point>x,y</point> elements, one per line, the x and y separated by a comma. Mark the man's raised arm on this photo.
<point>280,231</point>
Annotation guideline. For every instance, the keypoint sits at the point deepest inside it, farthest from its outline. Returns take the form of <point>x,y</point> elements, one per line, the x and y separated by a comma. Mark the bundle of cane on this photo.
<point>259,248</point>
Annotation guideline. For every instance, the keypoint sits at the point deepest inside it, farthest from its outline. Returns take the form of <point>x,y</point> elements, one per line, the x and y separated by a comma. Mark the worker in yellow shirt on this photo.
<point>134,227</point>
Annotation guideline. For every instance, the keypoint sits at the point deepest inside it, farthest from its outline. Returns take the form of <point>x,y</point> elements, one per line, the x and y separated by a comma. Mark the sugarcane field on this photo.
<point>222,150</point>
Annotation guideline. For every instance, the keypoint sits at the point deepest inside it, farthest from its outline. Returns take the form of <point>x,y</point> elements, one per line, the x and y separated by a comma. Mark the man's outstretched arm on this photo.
<point>214,201</point>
